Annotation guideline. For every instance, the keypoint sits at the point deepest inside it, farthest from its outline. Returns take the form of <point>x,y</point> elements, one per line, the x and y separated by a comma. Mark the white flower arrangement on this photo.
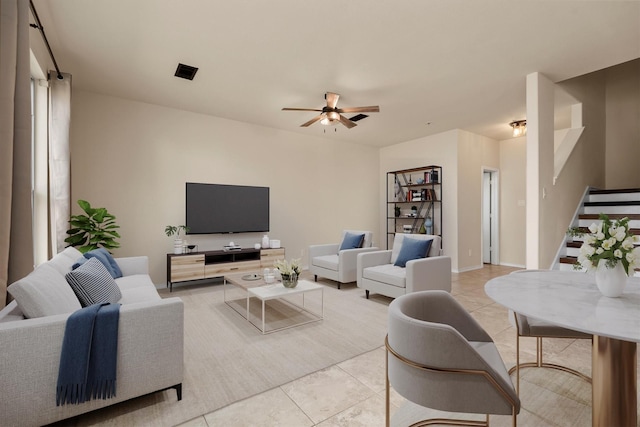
<point>611,241</point>
<point>287,268</point>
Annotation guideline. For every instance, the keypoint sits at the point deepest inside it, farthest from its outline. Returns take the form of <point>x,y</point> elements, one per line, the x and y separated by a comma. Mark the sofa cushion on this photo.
<point>107,260</point>
<point>412,249</point>
<point>137,288</point>
<point>93,284</point>
<point>387,273</point>
<point>330,262</point>
<point>65,259</point>
<point>139,294</point>
<point>351,241</point>
<point>44,292</point>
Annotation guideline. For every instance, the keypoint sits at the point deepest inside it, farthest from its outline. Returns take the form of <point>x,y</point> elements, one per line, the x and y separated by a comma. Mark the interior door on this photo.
<point>490,217</point>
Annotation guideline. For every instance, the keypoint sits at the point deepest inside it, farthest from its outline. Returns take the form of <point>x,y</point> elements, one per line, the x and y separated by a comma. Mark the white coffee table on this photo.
<point>278,291</point>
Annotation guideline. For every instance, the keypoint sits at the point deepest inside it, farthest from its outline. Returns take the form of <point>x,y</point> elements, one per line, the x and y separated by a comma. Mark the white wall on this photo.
<point>134,159</point>
<point>512,201</point>
<point>622,104</point>
<point>475,152</point>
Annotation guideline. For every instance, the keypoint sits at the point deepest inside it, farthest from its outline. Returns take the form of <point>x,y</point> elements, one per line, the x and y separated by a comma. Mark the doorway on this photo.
<point>490,234</point>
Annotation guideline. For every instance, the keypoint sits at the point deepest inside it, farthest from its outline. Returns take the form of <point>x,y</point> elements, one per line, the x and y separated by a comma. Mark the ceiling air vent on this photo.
<point>186,71</point>
<point>358,117</point>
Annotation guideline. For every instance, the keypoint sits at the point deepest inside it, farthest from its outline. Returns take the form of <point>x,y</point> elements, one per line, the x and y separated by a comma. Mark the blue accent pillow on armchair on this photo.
<point>107,260</point>
<point>351,241</point>
<point>412,249</point>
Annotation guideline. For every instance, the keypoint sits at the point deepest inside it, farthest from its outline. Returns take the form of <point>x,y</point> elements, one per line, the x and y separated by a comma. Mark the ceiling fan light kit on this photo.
<point>331,114</point>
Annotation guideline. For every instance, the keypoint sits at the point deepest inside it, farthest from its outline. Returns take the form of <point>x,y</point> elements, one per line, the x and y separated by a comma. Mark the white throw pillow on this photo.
<point>44,292</point>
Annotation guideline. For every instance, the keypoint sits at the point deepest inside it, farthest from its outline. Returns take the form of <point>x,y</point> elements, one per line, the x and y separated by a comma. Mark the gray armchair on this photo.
<point>538,329</point>
<point>339,265</point>
<point>377,272</point>
<point>439,357</point>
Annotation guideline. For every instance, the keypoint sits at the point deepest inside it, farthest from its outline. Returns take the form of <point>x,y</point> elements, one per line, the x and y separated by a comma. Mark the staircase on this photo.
<point>616,204</point>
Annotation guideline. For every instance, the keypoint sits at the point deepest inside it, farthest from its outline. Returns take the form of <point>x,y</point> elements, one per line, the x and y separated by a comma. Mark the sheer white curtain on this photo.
<point>16,238</point>
<point>59,159</point>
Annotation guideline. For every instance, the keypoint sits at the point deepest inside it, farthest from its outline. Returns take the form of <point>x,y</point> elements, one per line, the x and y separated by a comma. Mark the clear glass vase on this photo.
<point>289,280</point>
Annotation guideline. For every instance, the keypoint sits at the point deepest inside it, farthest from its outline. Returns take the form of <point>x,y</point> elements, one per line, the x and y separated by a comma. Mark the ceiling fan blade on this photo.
<point>301,109</point>
<point>312,121</point>
<point>348,123</point>
<point>332,99</point>
<point>371,109</point>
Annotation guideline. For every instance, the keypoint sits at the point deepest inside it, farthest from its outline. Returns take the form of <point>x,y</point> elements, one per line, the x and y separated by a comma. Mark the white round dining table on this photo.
<point>572,300</point>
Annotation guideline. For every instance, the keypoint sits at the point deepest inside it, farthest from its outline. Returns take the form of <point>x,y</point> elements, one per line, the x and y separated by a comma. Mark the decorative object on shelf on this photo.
<point>396,211</point>
<point>257,246</point>
<point>609,249</point>
<point>428,224</point>
<point>289,271</point>
<point>414,211</point>
<point>96,229</point>
<point>274,244</point>
<point>265,241</point>
<point>178,245</point>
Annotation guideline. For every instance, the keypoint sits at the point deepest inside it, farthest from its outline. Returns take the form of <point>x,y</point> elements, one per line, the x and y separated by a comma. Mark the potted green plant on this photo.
<point>92,230</point>
<point>171,230</point>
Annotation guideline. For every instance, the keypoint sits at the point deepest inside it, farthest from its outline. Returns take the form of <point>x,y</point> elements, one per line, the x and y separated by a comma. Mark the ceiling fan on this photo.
<point>330,115</point>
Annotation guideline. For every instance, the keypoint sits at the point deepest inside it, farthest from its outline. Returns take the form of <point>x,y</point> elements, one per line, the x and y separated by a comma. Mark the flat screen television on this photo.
<point>220,208</point>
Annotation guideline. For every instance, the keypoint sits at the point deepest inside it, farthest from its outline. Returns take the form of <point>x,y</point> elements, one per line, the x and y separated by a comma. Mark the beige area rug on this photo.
<point>227,359</point>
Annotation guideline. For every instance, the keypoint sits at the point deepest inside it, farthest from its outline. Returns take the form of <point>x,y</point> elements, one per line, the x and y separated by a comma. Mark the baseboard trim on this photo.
<point>464,270</point>
<point>506,264</point>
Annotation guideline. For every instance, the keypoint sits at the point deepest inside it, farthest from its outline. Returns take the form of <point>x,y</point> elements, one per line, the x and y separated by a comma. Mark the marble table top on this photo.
<point>572,300</point>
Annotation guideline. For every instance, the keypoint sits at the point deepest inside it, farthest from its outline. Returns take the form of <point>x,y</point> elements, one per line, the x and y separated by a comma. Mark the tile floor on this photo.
<point>352,393</point>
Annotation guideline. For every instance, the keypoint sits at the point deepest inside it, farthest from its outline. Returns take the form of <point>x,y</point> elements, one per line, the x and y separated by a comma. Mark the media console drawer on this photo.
<point>188,267</point>
<point>217,270</point>
<point>269,256</point>
<point>210,264</point>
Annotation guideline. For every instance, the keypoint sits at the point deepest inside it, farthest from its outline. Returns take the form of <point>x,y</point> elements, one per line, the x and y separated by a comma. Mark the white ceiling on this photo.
<point>431,65</point>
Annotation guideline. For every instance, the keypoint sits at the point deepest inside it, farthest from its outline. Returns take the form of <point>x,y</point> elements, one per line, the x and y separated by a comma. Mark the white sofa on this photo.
<point>327,261</point>
<point>377,272</point>
<point>150,343</point>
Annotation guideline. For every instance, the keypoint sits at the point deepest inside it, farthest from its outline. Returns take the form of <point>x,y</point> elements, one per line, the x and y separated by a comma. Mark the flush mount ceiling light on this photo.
<point>519,127</point>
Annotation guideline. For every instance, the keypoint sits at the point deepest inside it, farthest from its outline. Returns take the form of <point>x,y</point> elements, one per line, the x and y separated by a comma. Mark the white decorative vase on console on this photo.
<point>178,248</point>
<point>265,242</point>
<point>610,281</point>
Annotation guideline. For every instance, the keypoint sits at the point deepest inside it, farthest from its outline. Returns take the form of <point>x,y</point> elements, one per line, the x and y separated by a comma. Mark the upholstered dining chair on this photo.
<point>439,357</point>
<point>337,261</point>
<point>530,327</point>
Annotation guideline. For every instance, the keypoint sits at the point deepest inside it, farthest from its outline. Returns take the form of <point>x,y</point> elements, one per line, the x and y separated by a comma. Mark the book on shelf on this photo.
<point>431,176</point>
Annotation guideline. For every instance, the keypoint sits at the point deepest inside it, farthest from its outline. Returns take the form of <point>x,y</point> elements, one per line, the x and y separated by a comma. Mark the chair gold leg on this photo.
<point>539,363</point>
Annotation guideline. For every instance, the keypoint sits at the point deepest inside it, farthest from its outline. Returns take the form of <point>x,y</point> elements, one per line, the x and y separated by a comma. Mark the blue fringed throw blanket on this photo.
<point>89,354</point>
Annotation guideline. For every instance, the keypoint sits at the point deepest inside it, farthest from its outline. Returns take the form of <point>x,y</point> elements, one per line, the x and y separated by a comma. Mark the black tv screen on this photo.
<point>219,208</point>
